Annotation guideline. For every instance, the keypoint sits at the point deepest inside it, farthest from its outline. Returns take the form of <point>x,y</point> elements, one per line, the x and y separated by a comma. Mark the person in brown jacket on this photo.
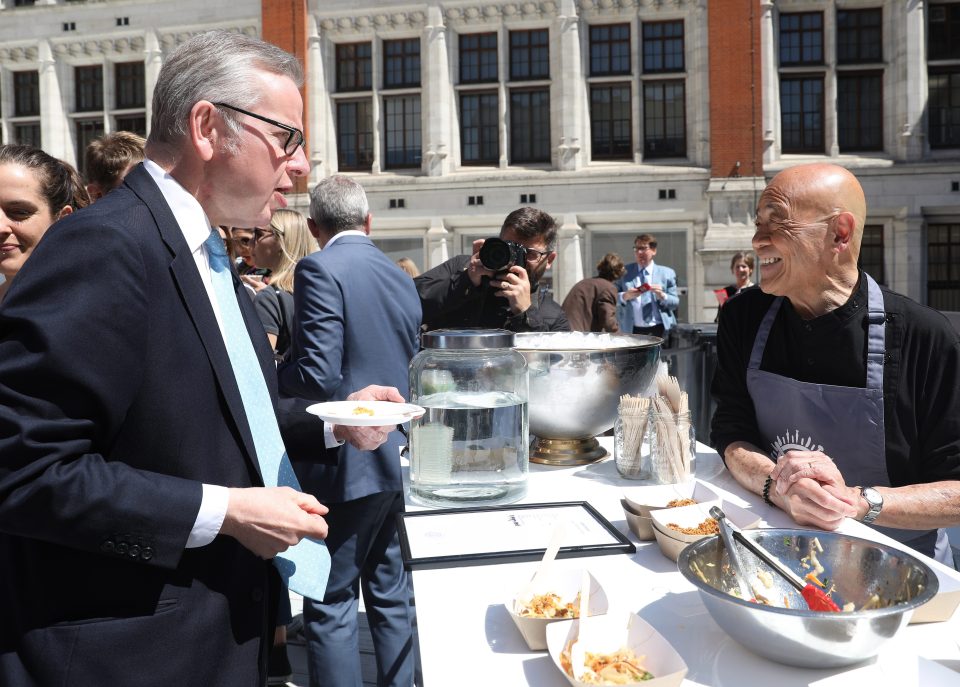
<point>591,305</point>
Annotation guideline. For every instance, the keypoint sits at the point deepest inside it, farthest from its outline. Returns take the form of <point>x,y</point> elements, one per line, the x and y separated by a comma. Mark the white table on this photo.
<point>467,637</point>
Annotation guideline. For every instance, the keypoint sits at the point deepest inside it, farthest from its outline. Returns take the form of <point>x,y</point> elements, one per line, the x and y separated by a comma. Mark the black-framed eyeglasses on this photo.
<point>294,135</point>
<point>537,254</point>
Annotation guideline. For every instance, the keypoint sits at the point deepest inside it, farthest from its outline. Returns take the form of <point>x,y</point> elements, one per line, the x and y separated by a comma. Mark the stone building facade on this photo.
<point>616,116</point>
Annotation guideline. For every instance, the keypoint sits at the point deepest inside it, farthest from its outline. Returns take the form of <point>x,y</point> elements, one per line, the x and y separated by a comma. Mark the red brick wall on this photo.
<point>735,91</point>
<point>284,25</point>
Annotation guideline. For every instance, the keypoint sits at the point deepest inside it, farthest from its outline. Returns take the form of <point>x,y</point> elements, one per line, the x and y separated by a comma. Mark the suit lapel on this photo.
<point>183,269</point>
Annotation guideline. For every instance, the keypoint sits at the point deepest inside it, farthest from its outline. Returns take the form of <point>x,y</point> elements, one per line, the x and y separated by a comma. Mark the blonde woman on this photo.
<point>408,266</point>
<point>278,248</point>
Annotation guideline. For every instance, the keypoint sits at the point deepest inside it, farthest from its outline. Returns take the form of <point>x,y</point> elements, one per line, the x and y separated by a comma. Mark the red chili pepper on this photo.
<point>818,600</point>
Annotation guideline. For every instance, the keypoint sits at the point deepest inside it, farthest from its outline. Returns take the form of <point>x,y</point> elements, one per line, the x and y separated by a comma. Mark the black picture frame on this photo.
<point>461,555</point>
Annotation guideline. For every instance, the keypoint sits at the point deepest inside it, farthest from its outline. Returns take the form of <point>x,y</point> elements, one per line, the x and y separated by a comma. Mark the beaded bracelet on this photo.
<point>766,490</point>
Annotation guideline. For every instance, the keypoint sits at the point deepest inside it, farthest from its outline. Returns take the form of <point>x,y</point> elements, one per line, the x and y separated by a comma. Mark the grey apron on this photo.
<point>846,423</point>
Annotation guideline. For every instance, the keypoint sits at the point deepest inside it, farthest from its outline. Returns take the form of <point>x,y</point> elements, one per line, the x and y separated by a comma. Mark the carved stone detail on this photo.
<point>27,53</point>
<point>364,23</point>
<point>98,48</point>
<point>171,40</point>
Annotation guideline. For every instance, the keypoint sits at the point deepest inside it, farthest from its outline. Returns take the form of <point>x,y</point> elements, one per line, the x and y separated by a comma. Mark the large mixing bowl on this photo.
<point>859,569</point>
<point>575,391</point>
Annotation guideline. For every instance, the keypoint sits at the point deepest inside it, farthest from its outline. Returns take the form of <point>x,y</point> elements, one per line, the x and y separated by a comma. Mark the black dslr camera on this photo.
<point>498,255</point>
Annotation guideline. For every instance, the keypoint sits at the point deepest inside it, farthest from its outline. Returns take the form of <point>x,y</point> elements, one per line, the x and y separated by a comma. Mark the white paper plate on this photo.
<point>384,412</point>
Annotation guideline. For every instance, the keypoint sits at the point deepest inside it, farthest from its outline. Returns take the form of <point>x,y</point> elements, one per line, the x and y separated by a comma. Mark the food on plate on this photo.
<point>708,526</point>
<point>550,605</point>
<point>622,667</point>
<point>362,410</point>
<point>676,503</point>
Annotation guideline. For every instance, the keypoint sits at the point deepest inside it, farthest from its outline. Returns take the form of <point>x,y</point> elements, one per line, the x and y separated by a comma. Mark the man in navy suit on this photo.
<point>357,322</point>
<point>648,298</point>
<point>134,525</point>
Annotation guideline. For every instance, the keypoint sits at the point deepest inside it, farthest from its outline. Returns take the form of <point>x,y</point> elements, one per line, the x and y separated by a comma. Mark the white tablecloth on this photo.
<point>467,637</point>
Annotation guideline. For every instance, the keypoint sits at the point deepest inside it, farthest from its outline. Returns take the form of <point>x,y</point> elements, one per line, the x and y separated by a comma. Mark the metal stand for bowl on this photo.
<point>567,451</point>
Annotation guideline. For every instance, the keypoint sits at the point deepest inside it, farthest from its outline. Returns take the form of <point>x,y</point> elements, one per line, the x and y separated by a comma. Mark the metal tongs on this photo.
<point>736,565</point>
<point>816,598</point>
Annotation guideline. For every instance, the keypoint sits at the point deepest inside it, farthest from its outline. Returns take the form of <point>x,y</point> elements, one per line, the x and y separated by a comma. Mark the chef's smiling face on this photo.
<point>791,242</point>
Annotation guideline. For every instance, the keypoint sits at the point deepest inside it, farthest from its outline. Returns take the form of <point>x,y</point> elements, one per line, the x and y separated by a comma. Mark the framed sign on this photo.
<point>504,534</point>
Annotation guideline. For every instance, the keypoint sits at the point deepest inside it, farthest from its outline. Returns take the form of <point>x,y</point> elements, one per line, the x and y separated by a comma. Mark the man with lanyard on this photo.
<point>647,293</point>
<point>836,397</point>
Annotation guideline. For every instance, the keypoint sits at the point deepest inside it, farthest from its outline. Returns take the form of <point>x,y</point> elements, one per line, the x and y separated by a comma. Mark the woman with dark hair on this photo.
<point>591,305</point>
<point>35,191</point>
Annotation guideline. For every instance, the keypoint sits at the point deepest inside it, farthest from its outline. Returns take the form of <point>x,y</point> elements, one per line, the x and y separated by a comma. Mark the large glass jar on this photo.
<point>472,444</point>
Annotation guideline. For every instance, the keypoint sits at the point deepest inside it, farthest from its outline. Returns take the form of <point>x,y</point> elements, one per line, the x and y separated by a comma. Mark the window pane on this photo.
<point>402,131</point>
<point>401,63</point>
<point>478,57</point>
<point>479,128</point>
<point>128,77</point>
<point>871,252</point>
<point>88,82</point>
<point>944,109</point>
<point>87,130</point>
<point>27,134</point>
<point>530,126</point>
<point>664,119</point>
<point>26,94</point>
<point>859,36</point>
<point>136,124</point>
<point>801,38</point>
<point>801,114</point>
<point>860,111</point>
<point>944,32</point>
<point>529,55</point>
<point>943,266</point>
<point>354,135</point>
<point>610,49</point>
<point>663,46</point>
<point>353,67</point>
<point>610,122</point>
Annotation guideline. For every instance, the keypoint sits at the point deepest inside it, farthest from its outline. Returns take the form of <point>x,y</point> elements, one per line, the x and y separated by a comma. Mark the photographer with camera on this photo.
<point>497,286</point>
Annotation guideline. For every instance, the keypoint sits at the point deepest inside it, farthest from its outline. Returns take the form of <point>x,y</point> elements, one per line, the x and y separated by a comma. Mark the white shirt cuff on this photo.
<point>329,440</point>
<point>213,509</point>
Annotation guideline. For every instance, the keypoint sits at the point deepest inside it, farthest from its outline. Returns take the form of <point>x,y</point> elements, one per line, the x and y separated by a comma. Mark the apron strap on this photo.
<point>876,345</point>
<point>760,342</point>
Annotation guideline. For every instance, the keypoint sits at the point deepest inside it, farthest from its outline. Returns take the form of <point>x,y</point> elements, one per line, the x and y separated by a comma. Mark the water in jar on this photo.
<point>469,448</point>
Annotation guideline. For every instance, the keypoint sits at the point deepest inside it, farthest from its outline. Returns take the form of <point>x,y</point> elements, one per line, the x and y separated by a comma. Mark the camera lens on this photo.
<point>495,254</point>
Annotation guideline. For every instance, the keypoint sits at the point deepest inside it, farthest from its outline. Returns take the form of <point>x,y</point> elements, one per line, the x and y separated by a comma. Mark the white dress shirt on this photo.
<point>196,227</point>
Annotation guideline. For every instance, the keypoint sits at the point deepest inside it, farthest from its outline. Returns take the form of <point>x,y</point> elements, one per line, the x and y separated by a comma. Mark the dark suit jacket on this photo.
<point>357,322</point>
<point>591,306</point>
<point>117,400</point>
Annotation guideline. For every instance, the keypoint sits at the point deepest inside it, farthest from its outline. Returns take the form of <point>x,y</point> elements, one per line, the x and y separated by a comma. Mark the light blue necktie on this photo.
<point>306,566</point>
<point>646,300</point>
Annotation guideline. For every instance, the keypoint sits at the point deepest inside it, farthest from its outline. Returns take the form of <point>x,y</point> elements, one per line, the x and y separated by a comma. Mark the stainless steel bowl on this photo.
<point>799,637</point>
<point>574,392</point>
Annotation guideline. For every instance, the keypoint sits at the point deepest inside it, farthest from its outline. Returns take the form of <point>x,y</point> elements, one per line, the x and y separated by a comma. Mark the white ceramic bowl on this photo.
<point>609,633</point>
<point>565,583</point>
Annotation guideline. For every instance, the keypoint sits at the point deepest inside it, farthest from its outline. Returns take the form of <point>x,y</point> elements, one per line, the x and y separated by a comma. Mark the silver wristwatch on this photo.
<point>874,500</point>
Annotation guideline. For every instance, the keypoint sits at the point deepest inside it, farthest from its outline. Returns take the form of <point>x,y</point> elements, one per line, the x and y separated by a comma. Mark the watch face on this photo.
<point>873,497</point>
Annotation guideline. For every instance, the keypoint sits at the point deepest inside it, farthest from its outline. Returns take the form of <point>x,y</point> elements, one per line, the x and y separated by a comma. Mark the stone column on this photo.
<point>911,132</point>
<point>568,267</point>
<point>567,103</point>
<point>437,98</point>
<point>909,257</point>
<point>831,139</point>
<point>771,92</point>
<point>55,132</point>
<point>438,243</point>
<point>152,62</point>
<point>319,108</point>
